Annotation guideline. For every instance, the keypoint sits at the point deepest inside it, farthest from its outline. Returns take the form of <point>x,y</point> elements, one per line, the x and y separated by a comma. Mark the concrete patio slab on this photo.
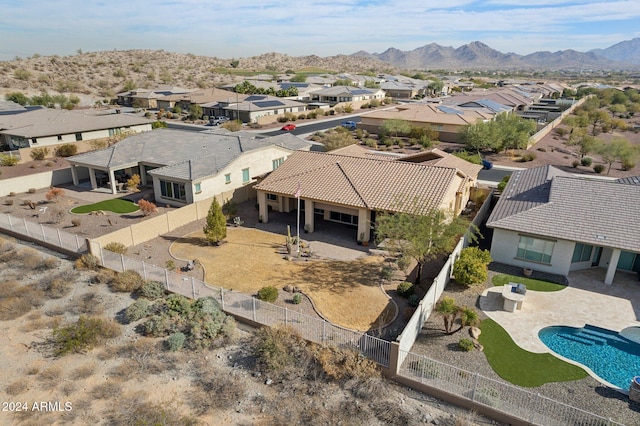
<point>587,300</point>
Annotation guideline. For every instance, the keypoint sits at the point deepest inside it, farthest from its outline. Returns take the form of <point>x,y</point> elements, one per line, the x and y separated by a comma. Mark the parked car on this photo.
<point>486,164</point>
<point>288,127</point>
<point>351,125</point>
<point>216,121</point>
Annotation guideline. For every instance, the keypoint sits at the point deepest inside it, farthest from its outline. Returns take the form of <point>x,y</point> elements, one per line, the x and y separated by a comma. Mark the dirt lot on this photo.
<point>251,259</point>
<point>131,378</point>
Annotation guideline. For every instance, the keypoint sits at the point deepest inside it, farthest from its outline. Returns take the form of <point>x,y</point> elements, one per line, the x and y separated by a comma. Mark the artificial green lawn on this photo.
<point>116,206</point>
<point>521,367</point>
<point>535,285</point>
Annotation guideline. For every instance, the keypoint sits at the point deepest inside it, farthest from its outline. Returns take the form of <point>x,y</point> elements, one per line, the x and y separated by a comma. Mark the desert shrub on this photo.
<point>83,335</point>
<point>598,168</point>
<point>169,265</point>
<point>76,222</point>
<point>371,143</point>
<point>297,298</point>
<point>561,131</point>
<point>158,326</point>
<point>50,263</point>
<point>175,342</point>
<point>83,372</point>
<point>147,413</point>
<point>343,364</point>
<point>575,164</point>
<point>8,160</point>
<point>469,156</point>
<point>39,154</point>
<point>216,391</point>
<point>277,348</point>
<point>147,207</point>
<point>17,387</point>
<point>8,202</point>
<point>586,161</point>
<point>116,247</point>
<point>405,289</point>
<point>503,183</point>
<point>268,294</point>
<point>527,156</point>
<point>127,281</point>
<point>31,190</point>
<point>282,119</point>
<point>628,164</point>
<point>87,261</point>
<point>413,300</point>
<point>137,310</point>
<point>58,287</point>
<point>151,290</point>
<point>471,267</point>
<point>466,345</point>
<point>178,304</point>
<point>107,391</point>
<point>66,150</point>
<point>133,182</point>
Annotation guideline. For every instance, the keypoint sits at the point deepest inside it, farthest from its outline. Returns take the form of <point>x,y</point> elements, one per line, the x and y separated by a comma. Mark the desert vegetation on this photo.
<point>87,345</point>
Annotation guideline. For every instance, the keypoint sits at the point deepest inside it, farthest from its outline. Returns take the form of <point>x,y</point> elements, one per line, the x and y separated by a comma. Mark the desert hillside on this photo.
<point>101,75</point>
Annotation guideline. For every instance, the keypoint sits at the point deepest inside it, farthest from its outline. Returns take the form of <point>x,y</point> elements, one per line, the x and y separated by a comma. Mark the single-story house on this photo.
<point>551,221</point>
<point>197,97</point>
<point>146,98</point>
<point>184,166</point>
<point>351,187</point>
<point>255,106</point>
<point>448,121</point>
<point>402,90</point>
<point>47,127</point>
<point>337,94</point>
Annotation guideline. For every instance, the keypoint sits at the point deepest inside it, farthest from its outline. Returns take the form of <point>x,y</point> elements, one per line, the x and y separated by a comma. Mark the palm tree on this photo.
<point>448,309</point>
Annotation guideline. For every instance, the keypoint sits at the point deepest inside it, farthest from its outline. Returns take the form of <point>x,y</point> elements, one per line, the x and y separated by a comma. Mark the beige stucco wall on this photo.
<point>38,181</point>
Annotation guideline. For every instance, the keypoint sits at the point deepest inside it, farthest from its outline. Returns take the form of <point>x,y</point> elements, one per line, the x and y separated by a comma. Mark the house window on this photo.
<point>272,197</point>
<point>173,190</point>
<point>198,187</point>
<point>245,175</point>
<point>227,178</point>
<point>535,249</point>
<point>78,136</point>
<point>581,253</point>
<point>34,140</point>
<point>343,218</point>
<point>59,137</point>
<point>277,163</point>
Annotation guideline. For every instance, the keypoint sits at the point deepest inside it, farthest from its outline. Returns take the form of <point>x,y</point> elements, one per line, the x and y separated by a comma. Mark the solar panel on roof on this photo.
<point>268,104</point>
<point>448,110</point>
<point>360,92</point>
<point>255,98</point>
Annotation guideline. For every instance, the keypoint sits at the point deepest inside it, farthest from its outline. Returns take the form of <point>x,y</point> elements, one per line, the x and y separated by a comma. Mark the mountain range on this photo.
<point>477,55</point>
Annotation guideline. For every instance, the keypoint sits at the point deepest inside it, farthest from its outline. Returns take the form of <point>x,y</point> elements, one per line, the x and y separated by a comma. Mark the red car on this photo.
<point>288,127</point>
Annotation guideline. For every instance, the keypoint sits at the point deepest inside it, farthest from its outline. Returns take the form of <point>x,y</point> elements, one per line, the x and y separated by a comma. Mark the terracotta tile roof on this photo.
<point>428,114</point>
<point>361,182</point>
<point>437,157</point>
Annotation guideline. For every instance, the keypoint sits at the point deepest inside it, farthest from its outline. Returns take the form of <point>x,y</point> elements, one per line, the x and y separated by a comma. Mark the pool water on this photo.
<point>613,358</point>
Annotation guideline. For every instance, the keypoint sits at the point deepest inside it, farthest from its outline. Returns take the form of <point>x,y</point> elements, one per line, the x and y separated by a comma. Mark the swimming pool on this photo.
<point>613,358</point>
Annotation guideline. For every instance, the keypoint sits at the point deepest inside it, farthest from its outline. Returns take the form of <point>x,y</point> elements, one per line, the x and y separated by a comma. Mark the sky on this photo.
<point>241,28</point>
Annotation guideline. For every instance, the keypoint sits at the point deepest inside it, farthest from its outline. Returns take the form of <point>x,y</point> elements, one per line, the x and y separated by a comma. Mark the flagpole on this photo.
<point>298,224</point>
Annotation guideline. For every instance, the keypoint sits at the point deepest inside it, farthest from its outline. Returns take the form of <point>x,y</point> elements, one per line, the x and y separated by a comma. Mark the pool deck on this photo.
<point>587,300</point>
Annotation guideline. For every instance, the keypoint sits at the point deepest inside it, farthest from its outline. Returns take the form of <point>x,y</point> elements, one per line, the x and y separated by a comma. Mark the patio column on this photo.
<point>92,178</point>
<point>263,211</point>
<point>74,175</point>
<point>364,224</point>
<point>112,182</point>
<point>308,215</point>
<point>611,269</point>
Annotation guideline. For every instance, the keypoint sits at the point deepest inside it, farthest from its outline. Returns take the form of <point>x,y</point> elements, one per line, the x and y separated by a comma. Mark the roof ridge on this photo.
<point>344,172</point>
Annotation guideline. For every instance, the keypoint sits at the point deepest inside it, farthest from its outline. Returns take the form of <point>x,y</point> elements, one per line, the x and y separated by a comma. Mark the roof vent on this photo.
<point>601,237</point>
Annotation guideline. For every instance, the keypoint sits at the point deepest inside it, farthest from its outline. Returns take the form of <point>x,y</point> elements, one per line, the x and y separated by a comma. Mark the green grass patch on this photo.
<point>521,367</point>
<point>535,285</point>
<point>116,206</point>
